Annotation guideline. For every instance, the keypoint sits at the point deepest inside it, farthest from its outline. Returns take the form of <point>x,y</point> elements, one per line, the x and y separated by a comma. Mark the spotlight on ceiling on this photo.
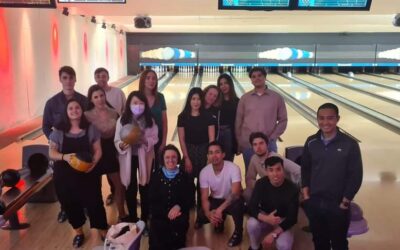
<point>65,11</point>
<point>93,20</point>
<point>104,26</point>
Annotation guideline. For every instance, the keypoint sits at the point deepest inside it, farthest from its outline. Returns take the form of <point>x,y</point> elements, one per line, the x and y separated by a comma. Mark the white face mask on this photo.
<point>137,109</point>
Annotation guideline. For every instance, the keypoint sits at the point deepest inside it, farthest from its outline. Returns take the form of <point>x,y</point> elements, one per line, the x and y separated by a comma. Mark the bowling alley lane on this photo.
<point>365,86</point>
<point>175,96</point>
<point>209,78</point>
<point>374,103</point>
<point>393,82</point>
<point>131,87</point>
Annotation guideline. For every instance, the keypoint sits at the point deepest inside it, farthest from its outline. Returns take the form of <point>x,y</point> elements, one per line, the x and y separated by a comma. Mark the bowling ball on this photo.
<point>38,164</point>
<point>2,207</point>
<point>356,212</point>
<point>10,177</point>
<point>130,133</point>
<point>81,161</point>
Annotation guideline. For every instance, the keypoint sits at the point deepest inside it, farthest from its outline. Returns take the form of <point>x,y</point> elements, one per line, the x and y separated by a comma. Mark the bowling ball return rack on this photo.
<point>16,197</point>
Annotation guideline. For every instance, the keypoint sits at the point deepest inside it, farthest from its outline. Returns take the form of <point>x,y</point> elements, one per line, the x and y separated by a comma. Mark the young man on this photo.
<point>220,183</point>
<point>117,99</point>
<point>259,142</point>
<point>55,108</point>
<point>114,95</point>
<point>331,171</point>
<point>260,109</point>
<point>273,208</point>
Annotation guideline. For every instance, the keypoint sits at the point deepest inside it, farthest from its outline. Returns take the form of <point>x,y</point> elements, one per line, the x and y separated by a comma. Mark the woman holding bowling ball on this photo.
<point>135,136</point>
<point>75,148</point>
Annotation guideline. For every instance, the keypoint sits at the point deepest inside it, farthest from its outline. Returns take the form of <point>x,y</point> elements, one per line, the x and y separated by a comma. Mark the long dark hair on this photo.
<point>127,116</point>
<point>65,124</point>
<point>93,89</point>
<point>232,93</point>
<point>188,109</point>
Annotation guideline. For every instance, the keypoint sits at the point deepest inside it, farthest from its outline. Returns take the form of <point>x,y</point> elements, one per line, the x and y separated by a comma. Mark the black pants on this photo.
<point>168,235</point>
<point>236,210</point>
<point>131,193</point>
<point>198,156</point>
<point>75,191</point>
<point>329,224</point>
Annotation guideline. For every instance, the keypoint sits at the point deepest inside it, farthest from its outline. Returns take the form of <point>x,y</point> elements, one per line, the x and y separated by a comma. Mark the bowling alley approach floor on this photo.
<point>378,196</point>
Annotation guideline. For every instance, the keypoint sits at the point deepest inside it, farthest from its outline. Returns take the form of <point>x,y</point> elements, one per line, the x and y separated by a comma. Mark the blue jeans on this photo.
<point>226,139</point>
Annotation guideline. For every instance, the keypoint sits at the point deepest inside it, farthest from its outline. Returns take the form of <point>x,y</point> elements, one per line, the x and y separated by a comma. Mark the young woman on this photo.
<point>77,190</point>
<point>139,156</point>
<point>169,203</point>
<point>212,102</point>
<point>227,116</point>
<point>148,85</point>
<point>104,118</point>
<point>195,130</point>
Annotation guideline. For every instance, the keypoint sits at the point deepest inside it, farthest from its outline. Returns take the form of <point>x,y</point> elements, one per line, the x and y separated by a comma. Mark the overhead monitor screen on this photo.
<point>254,4</point>
<point>28,3</point>
<point>334,4</point>
<point>92,1</point>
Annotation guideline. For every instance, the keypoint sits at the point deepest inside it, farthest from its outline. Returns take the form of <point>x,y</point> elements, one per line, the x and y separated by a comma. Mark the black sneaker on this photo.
<point>78,240</point>
<point>235,239</point>
<point>109,199</point>
<point>220,228</point>
<point>62,216</point>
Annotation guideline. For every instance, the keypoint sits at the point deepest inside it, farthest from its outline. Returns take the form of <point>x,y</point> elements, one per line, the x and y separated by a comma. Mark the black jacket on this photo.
<point>333,171</point>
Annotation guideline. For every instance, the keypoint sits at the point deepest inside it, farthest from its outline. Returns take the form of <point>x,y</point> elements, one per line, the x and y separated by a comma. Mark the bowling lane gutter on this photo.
<point>373,115</point>
<point>381,76</point>
<point>383,98</point>
<point>305,111</point>
<point>373,83</point>
<point>196,82</point>
<point>164,80</point>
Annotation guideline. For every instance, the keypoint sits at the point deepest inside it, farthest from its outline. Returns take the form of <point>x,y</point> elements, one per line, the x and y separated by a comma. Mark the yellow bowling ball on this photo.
<point>81,162</point>
<point>130,134</point>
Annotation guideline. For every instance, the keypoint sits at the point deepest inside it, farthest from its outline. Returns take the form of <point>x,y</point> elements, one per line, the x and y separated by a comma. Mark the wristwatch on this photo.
<point>274,235</point>
<point>346,204</point>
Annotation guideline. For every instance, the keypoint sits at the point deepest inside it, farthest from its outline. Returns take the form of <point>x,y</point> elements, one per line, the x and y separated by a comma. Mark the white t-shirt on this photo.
<point>221,184</point>
<point>116,98</point>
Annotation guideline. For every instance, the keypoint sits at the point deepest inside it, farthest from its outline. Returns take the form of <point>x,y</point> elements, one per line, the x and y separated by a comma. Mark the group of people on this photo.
<point>213,127</point>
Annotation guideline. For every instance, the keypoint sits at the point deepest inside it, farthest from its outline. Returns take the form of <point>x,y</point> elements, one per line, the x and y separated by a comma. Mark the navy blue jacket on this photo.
<point>333,171</point>
<point>55,109</point>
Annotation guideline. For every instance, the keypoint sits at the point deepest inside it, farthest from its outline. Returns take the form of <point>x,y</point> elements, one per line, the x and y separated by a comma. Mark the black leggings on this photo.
<point>131,194</point>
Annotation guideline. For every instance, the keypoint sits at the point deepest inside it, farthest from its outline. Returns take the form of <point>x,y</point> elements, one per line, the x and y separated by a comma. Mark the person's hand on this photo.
<point>214,217</point>
<point>188,165</point>
<point>123,146</point>
<point>161,148</point>
<point>174,212</point>
<point>68,157</point>
<point>268,241</point>
<point>272,219</point>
